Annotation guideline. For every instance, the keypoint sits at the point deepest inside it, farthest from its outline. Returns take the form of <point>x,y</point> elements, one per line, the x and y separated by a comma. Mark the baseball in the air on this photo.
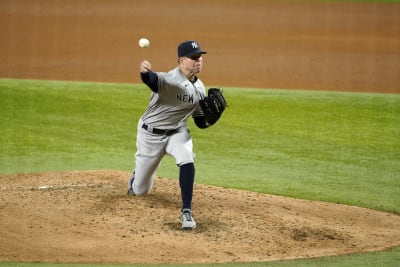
<point>143,43</point>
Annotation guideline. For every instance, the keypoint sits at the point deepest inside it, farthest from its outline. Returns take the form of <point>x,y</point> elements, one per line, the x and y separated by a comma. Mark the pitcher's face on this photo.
<point>193,64</point>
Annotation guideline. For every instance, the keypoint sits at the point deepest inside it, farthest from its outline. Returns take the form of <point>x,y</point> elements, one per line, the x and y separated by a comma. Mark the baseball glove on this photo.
<point>213,105</point>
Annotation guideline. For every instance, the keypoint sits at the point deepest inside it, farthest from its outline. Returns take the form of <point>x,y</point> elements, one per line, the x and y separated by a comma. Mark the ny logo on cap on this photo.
<point>195,45</point>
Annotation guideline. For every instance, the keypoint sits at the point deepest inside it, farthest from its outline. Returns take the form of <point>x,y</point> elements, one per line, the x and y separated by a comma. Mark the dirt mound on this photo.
<point>87,217</point>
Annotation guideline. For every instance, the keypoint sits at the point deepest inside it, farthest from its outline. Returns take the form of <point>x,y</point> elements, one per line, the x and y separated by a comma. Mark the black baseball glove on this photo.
<point>213,105</point>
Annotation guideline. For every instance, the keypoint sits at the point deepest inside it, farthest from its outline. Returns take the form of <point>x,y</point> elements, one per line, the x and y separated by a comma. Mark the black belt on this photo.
<point>159,131</point>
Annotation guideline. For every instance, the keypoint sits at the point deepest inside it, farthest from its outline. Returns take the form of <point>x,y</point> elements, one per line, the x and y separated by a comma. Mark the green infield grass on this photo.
<point>389,258</point>
<point>325,146</point>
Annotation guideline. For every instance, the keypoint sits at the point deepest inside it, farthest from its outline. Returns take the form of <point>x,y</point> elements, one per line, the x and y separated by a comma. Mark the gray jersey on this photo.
<point>177,98</point>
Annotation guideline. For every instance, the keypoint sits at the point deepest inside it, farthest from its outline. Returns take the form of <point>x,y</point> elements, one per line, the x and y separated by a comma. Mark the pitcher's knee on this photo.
<point>142,191</point>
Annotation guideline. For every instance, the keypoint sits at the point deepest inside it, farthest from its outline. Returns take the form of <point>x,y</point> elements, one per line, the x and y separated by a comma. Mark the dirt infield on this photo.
<point>87,216</point>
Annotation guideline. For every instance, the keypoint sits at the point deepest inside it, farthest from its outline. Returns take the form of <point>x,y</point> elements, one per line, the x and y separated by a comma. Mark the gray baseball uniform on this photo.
<point>176,100</point>
<point>162,129</point>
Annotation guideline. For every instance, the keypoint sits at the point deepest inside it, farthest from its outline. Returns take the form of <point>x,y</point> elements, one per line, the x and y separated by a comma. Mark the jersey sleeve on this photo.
<point>150,78</point>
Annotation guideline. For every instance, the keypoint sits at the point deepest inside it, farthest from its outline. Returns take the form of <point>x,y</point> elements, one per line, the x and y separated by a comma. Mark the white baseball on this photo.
<point>143,43</point>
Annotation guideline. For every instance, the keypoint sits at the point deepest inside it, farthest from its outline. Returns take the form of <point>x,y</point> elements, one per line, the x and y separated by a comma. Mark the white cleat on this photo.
<point>188,223</point>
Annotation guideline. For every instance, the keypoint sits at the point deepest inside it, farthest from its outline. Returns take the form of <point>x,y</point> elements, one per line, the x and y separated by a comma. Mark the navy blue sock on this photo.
<point>186,181</point>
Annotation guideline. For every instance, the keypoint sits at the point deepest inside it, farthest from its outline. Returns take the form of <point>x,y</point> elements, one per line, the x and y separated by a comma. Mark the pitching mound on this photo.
<point>87,217</point>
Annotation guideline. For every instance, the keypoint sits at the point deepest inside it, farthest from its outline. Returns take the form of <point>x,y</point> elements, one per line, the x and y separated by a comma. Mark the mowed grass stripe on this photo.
<point>329,146</point>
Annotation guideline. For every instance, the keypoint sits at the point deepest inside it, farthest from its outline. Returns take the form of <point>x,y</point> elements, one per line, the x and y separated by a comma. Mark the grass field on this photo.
<point>376,259</point>
<point>326,146</point>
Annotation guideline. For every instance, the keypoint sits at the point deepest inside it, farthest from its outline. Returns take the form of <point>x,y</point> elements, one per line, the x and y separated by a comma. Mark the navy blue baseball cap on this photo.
<point>189,49</point>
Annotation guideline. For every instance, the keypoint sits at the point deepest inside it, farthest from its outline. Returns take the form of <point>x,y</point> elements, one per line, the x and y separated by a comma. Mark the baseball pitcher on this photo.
<point>162,129</point>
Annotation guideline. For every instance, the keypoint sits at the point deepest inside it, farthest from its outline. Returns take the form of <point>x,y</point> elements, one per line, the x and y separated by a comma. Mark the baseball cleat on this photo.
<point>130,182</point>
<point>131,193</point>
<point>188,223</point>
